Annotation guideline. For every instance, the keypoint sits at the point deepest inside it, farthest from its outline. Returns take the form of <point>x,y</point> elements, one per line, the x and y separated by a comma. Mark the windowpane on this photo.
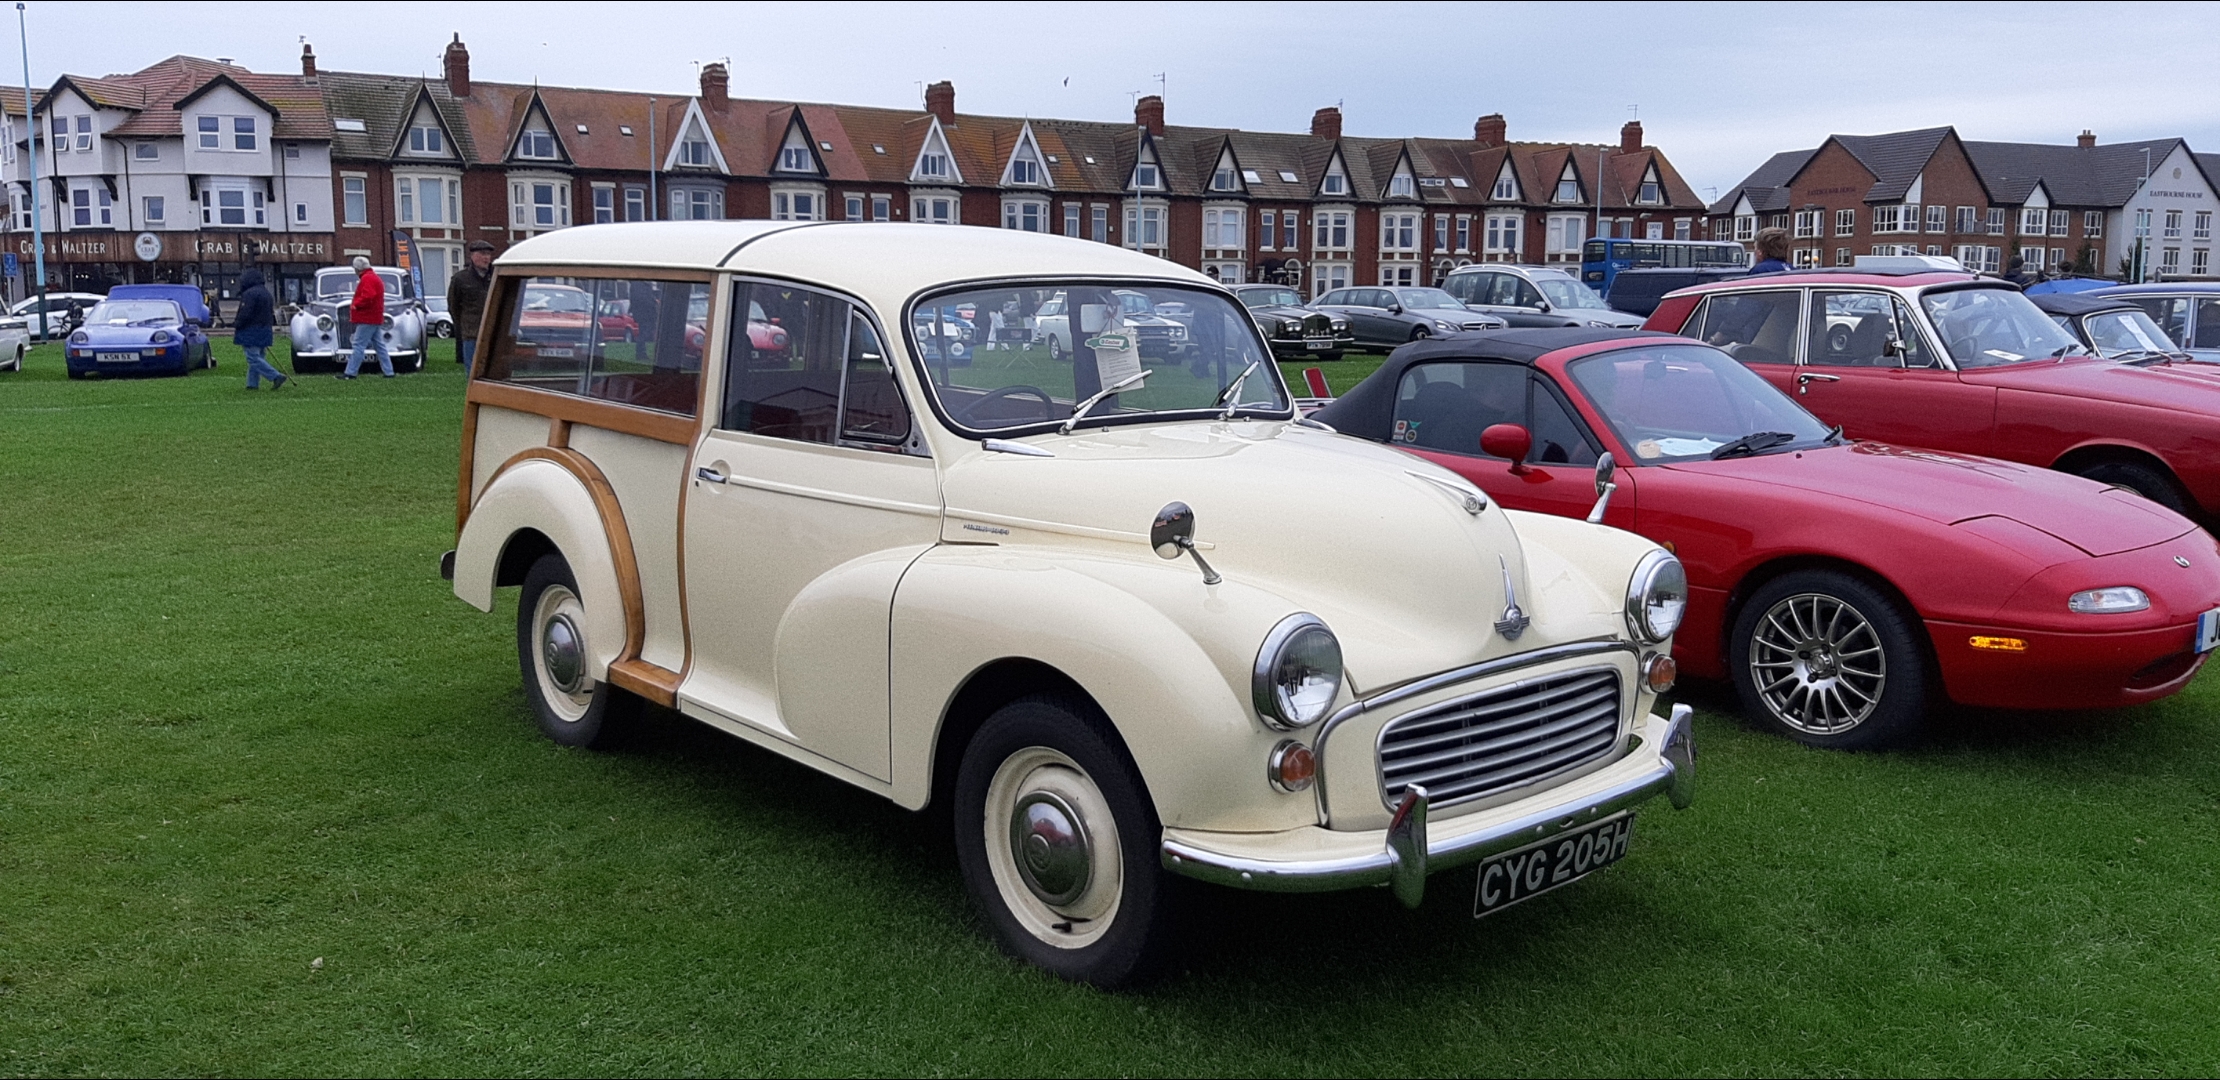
<point>1755,328</point>
<point>872,412</point>
<point>633,342</point>
<point>782,375</point>
<point>1447,406</point>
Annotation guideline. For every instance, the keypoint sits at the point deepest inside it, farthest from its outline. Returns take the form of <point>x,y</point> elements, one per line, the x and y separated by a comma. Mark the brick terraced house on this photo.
<point>450,160</point>
<point>2112,209</point>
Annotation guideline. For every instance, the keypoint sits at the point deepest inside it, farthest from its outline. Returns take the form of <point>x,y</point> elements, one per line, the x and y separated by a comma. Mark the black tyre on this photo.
<point>571,707</point>
<point>1830,661</point>
<point>1057,841</point>
<point>1420,333</point>
<point>76,374</point>
<point>1055,349</point>
<point>1327,357</point>
<point>2150,483</point>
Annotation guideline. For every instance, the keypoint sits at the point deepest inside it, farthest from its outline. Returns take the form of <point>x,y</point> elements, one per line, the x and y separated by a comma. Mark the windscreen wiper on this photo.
<point>1752,443</point>
<point>1231,398</point>
<point>1081,409</point>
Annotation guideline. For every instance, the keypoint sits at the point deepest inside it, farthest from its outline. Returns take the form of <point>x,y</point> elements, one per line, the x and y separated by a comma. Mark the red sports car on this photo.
<point>1841,585</point>
<point>1950,361</point>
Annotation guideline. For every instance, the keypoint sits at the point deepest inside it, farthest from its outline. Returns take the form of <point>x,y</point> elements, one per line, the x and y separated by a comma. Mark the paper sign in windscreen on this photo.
<point>1117,354</point>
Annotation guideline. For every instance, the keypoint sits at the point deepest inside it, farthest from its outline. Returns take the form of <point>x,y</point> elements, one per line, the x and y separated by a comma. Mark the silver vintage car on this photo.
<point>323,334</point>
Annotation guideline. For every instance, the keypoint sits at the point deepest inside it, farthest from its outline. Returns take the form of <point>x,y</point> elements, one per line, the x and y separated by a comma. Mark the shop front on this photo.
<point>87,261</point>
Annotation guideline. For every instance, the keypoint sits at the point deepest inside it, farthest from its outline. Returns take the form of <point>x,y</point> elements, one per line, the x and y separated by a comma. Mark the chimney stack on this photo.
<point>1488,131</point>
<point>458,68</point>
<point>714,86</point>
<point>1326,123</point>
<point>1148,112</point>
<point>940,100</point>
<point>2086,139</point>
<point>308,60</point>
<point>1630,137</point>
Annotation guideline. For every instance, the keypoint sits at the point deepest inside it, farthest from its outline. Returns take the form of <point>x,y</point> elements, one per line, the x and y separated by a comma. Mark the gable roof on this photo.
<point>2072,175</point>
<point>1895,159</point>
<point>158,93</point>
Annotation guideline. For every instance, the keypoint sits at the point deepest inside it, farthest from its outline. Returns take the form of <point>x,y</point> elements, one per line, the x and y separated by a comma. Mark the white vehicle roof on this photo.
<point>878,257</point>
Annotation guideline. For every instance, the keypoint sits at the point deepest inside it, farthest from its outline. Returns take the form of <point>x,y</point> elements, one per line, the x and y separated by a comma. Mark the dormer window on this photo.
<point>791,159</point>
<point>1146,176</point>
<point>425,139</point>
<point>1568,186</point>
<point>1336,184</point>
<point>1505,187</point>
<point>1400,187</point>
<point>933,165</point>
<point>1222,180</point>
<point>1651,192</point>
<point>693,152</point>
<point>536,143</point>
<point>1025,171</point>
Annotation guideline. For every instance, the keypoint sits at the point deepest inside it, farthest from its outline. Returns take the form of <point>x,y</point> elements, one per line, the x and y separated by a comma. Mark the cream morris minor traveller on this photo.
<point>1131,620</point>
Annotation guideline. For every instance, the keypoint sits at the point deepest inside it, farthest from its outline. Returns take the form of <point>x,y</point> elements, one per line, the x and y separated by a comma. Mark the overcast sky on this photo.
<point>1717,86</point>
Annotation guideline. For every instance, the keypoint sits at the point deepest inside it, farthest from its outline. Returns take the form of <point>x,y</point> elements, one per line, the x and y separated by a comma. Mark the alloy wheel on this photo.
<point>1818,664</point>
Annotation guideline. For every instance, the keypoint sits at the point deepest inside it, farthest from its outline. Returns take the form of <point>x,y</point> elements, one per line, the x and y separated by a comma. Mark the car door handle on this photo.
<point>1805,379</point>
<point>709,474</point>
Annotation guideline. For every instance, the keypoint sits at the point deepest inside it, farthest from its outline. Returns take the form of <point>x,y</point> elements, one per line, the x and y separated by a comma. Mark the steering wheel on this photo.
<point>1048,404</point>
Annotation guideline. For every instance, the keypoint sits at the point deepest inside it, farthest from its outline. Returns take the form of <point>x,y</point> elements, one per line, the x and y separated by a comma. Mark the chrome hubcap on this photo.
<point>1048,842</point>
<point>561,650</point>
<point>1818,664</point>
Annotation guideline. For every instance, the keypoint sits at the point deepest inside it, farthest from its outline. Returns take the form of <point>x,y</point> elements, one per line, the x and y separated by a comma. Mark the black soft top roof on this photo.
<point>1368,409</point>
<point>2076,304</point>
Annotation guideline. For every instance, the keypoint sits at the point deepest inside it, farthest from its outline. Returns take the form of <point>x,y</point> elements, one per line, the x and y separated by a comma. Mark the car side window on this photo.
<point>787,349</point>
<point>1524,293</point>
<point>2208,324</point>
<point>1461,287</point>
<point>872,413</point>
<point>1851,329</point>
<point>625,340</point>
<point>1336,297</point>
<point>1446,406</point>
<point>1753,327</point>
<point>1559,439</point>
<point>1502,290</point>
<point>2171,313</point>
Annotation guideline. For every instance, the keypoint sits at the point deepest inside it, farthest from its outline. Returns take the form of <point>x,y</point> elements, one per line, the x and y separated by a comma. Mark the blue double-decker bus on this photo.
<point>1602,259</point>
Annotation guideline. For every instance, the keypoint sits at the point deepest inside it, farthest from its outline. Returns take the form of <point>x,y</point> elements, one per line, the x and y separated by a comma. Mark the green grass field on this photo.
<point>270,803</point>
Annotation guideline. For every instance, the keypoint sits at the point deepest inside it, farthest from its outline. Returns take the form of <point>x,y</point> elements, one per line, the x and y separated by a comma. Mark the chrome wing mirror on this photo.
<point>1605,468</point>
<point>1173,534</point>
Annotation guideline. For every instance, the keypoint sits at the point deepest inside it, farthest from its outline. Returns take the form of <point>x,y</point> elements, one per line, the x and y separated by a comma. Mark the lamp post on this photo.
<point>2143,226</point>
<point>31,151</point>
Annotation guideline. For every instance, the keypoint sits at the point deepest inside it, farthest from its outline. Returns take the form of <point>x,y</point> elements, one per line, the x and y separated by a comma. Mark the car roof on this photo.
<point>2150,287</point>
<point>1368,409</point>
<point>2080,303</point>
<point>1909,279</point>
<point>899,258</point>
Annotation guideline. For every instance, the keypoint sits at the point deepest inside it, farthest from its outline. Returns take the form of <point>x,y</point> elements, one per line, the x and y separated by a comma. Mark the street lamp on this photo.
<point>31,151</point>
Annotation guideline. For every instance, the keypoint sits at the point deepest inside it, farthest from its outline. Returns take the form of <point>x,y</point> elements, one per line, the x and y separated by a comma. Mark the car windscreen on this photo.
<point>1683,402</point>
<point>340,284</point>
<point>1994,327</point>
<point>134,313</point>
<point>2126,332</point>
<point>1564,292</point>
<point>1257,298</point>
<point>1029,355</point>
<point>1428,298</point>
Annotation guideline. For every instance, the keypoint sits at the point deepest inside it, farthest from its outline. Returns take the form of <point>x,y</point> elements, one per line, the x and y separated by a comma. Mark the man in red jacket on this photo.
<point>368,314</point>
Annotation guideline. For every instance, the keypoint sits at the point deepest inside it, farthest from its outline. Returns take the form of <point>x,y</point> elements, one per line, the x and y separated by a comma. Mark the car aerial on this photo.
<point>2188,311</point>
<point>438,321</point>
<point>58,305</point>
<point>1533,296</point>
<point>143,335</point>
<point>1837,585</point>
<point>1293,329</point>
<point>1385,317</point>
<point>2112,328</point>
<point>1089,605</point>
<point>323,334</point>
<point>1946,360</point>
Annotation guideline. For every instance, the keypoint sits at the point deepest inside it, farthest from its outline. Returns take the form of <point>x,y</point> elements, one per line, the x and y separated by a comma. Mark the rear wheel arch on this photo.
<point>523,548</point>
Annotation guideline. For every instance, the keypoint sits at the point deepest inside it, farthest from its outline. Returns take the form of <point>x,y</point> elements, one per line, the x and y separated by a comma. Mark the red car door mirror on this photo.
<point>1507,441</point>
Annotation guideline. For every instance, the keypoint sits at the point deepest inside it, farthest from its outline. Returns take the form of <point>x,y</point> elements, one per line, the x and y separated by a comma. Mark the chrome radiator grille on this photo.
<point>1501,738</point>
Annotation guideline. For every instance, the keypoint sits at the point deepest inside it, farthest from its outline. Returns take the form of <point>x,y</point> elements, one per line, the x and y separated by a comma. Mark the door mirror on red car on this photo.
<point>1507,441</point>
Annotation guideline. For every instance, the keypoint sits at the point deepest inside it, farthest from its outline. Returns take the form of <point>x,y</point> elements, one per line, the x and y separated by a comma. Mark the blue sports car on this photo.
<point>139,335</point>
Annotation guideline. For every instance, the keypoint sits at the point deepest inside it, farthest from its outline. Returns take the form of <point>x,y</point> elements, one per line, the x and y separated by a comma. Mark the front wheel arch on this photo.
<point>2081,460</point>
<point>988,689</point>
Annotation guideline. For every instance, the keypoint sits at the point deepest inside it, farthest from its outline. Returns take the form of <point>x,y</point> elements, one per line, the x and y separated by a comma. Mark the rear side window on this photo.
<point>1446,406</point>
<point>808,366</point>
<point>630,341</point>
<point>1753,327</point>
<point>2171,313</point>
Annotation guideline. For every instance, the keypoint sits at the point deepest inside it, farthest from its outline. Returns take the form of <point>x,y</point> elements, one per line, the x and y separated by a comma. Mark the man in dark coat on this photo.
<point>466,299</point>
<point>367,312</point>
<point>251,326</point>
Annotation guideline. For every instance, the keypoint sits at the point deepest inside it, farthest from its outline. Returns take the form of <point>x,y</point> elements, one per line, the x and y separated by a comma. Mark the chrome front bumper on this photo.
<point>1662,762</point>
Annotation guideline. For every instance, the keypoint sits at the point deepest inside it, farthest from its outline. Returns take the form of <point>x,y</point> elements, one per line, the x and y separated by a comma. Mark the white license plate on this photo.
<point>560,354</point>
<point>2208,630</point>
<point>116,357</point>
<point>1535,869</point>
<point>1319,342</point>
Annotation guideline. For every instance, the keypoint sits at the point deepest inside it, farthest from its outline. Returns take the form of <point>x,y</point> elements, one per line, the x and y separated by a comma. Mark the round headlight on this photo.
<point>1656,597</point>
<point>159,337</point>
<point>79,338</point>
<point>1298,672</point>
<point>2117,600</point>
<point>323,322</point>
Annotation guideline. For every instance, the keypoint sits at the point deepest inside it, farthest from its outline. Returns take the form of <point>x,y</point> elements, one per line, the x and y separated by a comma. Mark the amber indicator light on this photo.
<point>1998,644</point>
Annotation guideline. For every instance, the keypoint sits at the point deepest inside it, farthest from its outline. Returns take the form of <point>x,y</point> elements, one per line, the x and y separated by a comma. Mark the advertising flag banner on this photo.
<point>405,253</point>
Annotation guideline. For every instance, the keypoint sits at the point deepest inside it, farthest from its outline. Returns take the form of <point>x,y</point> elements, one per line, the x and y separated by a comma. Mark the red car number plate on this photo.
<point>1535,869</point>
